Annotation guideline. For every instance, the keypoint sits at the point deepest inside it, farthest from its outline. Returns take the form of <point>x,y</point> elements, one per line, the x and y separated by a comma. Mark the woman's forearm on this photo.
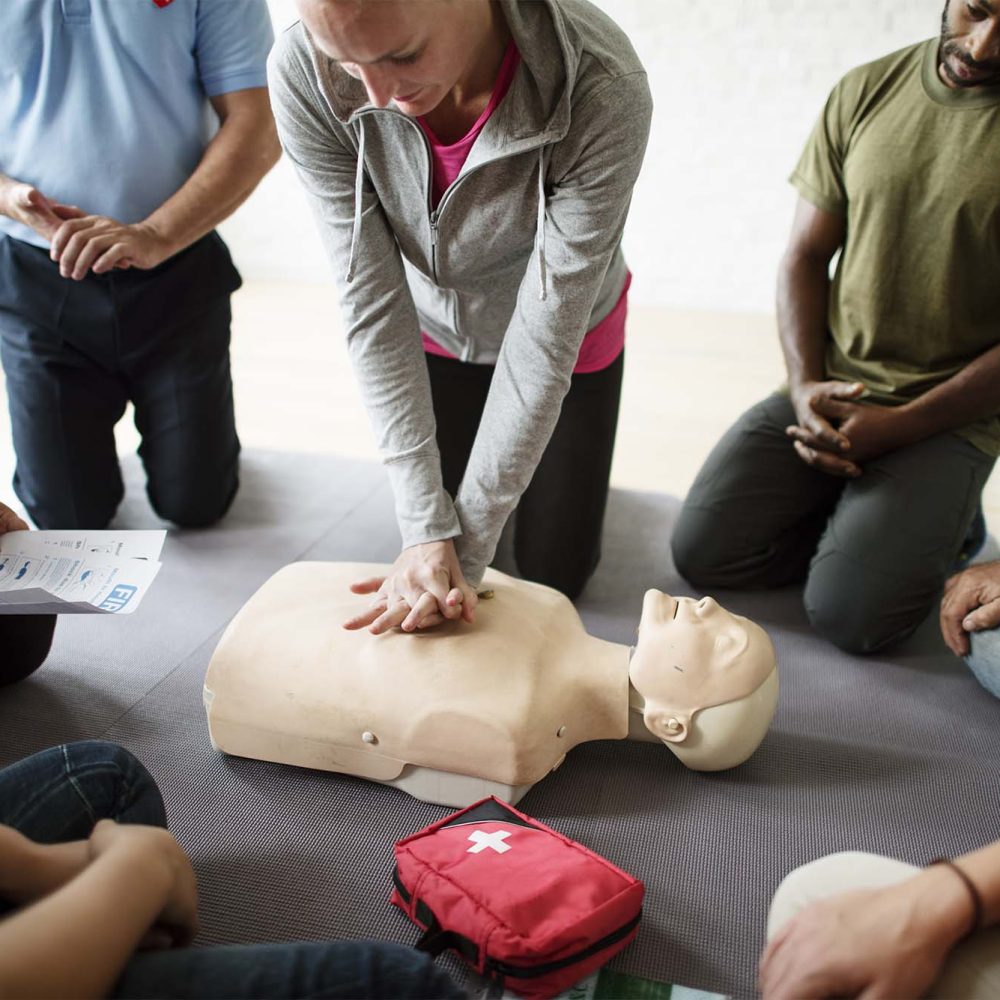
<point>76,941</point>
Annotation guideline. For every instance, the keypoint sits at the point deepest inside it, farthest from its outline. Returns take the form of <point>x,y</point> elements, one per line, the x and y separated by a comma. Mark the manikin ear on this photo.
<point>671,727</point>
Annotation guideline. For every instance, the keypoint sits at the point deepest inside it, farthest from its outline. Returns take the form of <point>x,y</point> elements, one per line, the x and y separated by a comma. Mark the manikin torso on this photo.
<point>460,711</point>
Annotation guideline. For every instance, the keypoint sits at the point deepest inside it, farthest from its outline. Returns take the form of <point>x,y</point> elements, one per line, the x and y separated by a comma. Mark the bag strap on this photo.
<point>436,939</point>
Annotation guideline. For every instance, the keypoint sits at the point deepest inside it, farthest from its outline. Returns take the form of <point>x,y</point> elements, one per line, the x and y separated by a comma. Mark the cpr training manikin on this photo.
<point>457,712</point>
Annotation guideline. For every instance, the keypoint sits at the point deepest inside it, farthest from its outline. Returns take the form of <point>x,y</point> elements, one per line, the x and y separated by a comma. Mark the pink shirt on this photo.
<point>606,340</point>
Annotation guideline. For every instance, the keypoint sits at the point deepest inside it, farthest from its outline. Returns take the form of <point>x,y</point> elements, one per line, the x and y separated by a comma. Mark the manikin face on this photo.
<point>691,655</point>
<point>410,53</point>
<point>969,55</point>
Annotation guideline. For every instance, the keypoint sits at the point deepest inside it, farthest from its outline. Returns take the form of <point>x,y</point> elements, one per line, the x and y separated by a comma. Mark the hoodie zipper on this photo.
<point>434,214</point>
<point>434,243</point>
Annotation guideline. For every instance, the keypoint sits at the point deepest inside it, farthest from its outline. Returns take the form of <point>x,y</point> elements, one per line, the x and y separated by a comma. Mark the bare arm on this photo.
<point>802,304</point>
<point>969,395</point>
<point>241,153</point>
<point>881,942</point>
<point>29,871</point>
<point>862,431</point>
<point>76,941</point>
<point>804,291</point>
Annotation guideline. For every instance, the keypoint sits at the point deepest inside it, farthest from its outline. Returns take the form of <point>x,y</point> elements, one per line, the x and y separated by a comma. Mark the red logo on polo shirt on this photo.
<point>163,3</point>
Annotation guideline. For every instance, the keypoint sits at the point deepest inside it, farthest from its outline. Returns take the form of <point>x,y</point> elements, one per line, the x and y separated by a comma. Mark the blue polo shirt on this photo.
<point>103,103</point>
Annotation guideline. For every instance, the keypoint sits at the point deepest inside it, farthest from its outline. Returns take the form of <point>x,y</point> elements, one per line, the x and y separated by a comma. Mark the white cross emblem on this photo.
<point>481,840</point>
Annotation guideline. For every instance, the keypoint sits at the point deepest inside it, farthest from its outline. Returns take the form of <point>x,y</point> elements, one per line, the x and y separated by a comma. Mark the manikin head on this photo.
<point>969,55</point>
<point>408,52</point>
<point>706,680</point>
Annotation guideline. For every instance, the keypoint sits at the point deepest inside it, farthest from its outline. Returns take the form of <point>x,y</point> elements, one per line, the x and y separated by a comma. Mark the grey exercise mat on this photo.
<point>894,754</point>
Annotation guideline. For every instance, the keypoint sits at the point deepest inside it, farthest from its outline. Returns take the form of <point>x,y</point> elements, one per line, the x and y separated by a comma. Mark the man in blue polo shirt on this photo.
<point>114,286</point>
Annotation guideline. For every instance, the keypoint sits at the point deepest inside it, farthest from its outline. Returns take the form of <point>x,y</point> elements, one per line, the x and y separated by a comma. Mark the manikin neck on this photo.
<point>636,706</point>
<point>600,669</point>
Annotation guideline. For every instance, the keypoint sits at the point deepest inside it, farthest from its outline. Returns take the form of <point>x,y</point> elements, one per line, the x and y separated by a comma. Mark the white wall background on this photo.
<point>737,85</point>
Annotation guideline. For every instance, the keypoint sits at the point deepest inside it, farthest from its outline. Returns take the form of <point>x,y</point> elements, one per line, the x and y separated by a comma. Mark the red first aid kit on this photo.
<point>526,907</point>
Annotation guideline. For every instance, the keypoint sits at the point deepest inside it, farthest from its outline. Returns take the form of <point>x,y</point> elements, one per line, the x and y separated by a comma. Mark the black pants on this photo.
<point>25,641</point>
<point>874,552</point>
<point>75,353</point>
<point>560,518</point>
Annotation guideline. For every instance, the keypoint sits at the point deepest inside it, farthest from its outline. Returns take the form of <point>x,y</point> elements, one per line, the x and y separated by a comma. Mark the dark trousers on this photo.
<point>75,353</point>
<point>59,794</point>
<point>874,552</point>
<point>25,641</point>
<point>560,518</point>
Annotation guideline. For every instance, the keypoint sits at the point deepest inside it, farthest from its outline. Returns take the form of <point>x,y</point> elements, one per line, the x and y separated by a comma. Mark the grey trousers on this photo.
<point>874,552</point>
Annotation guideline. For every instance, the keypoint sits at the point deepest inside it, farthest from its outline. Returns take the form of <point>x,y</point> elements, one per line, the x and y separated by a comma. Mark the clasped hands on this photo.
<point>82,242</point>
<point>835,434</point>
<point>123,852</point>
<point>425,587</point>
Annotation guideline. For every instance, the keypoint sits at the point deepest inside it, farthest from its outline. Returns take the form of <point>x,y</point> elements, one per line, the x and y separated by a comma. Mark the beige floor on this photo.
<point>687,376</point>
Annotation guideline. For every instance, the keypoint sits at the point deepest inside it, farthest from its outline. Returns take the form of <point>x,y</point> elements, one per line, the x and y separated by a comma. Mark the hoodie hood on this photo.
<point>536,111</point>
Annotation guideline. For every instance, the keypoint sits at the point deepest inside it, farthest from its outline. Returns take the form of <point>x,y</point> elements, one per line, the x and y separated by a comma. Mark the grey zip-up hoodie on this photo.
<point>521,257</point>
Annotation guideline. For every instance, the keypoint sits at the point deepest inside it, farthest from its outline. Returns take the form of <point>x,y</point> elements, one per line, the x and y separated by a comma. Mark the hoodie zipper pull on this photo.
<point>434,229</point>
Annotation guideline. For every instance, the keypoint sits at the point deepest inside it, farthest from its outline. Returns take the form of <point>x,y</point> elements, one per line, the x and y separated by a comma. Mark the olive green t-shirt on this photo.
<point>914,166</point>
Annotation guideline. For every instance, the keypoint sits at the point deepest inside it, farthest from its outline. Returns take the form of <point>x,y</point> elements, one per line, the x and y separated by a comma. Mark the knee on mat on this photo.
<point>136,797</point>
<point>855,618</point>
<point>699,551</point>
<point>193,506</point>
<point>82,512</point>
<point>104,753</point>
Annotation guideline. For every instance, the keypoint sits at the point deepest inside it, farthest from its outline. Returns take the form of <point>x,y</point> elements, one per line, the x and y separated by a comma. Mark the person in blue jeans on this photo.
<point>98,899</point>
<point>970,621</point>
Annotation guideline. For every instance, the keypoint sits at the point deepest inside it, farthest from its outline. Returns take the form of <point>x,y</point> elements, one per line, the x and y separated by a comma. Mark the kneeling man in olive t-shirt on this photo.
<point>863,476</point>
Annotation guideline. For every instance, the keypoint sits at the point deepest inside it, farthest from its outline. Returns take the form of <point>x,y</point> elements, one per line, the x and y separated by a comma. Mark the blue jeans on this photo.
<point>59,795</point>
<point>984,659</point>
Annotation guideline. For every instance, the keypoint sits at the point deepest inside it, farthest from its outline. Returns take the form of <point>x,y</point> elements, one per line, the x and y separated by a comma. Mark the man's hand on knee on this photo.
<point>971,603</point>
<point>816,439</point>
<point>837,435</point>
<point>811,400</point>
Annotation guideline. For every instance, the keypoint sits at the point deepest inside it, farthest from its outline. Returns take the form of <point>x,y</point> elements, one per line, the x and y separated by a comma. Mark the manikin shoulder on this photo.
<point>487,699</point>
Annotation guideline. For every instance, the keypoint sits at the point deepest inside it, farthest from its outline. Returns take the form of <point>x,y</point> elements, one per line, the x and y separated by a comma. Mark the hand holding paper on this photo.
<point>77,572</point>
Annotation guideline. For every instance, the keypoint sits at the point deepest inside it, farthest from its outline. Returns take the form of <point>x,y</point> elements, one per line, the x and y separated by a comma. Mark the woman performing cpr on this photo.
<point>470,164</point>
